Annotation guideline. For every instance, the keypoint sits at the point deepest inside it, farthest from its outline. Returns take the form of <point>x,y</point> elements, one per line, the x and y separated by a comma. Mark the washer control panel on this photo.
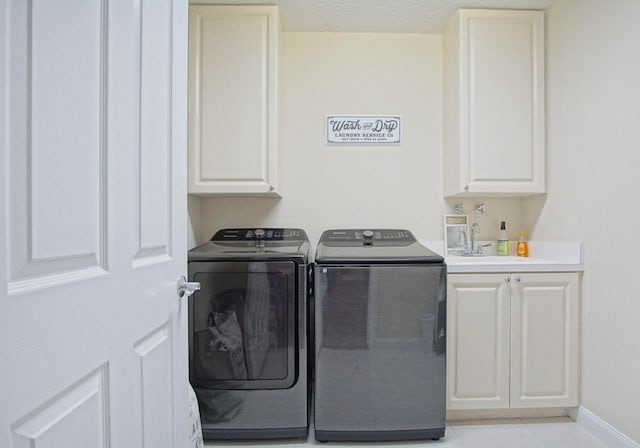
<point>264,234</point>
<point>361,235</point>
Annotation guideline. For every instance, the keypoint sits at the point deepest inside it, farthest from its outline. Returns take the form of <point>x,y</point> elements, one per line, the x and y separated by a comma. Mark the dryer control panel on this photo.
<point>265,234</point>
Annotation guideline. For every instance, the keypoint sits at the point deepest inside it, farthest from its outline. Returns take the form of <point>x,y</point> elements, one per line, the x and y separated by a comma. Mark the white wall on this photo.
<point>593,154</point>
<point>368,186</point>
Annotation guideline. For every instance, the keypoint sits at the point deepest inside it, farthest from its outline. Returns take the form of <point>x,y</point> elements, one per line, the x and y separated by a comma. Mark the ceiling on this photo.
<point>375,16</point>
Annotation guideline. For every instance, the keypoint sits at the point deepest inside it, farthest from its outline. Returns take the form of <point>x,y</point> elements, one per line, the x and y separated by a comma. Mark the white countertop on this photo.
<point>545,256</point>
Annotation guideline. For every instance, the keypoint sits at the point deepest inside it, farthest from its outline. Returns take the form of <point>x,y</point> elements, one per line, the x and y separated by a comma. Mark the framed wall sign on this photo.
<point>363,129</point>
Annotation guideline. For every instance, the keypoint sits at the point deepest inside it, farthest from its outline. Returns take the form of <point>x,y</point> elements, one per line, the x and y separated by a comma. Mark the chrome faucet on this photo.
<point>475,229</point>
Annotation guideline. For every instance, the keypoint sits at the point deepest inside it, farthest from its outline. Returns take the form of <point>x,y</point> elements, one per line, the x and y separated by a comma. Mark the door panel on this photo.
<point>93,222</point>
<point>53,239</point>
<point>501,100</point>
<point>544,365</point>
<point>55,423</point>
<point>478,342</point>
<point>155,130</point>
<point>154,364</point>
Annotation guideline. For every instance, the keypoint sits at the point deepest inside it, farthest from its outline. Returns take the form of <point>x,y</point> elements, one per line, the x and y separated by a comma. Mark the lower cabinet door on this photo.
<point>478,326</point>
<point>544,340</point>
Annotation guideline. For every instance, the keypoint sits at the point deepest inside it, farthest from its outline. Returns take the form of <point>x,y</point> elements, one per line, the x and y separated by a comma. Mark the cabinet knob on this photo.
<point>507,279</point>
<point>518,279</point>
<point>466,188</point>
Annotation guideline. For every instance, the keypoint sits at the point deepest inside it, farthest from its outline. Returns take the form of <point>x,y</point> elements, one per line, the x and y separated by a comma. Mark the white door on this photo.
<point>92,223</point>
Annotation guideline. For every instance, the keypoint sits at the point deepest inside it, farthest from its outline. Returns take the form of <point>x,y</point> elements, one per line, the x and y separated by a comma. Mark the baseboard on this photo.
<point>603,430</point>
<point>492,414</point>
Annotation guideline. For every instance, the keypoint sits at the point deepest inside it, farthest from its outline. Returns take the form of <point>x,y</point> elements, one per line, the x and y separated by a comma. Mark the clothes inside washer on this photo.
<point>226,336</point>
<point>257,318</point>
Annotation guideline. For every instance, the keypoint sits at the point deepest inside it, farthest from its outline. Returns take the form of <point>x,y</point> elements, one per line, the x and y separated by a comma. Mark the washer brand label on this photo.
<point>363,129</point>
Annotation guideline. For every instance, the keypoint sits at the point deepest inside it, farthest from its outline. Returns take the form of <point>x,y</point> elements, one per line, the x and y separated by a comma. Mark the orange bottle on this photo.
<point>523,248</point>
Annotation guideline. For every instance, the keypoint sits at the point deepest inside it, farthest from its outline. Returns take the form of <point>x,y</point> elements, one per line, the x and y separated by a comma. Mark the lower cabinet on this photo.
<point>512,340</point>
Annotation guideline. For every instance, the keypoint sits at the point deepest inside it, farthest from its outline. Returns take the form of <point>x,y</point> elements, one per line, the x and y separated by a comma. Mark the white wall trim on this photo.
<point>603,430</point>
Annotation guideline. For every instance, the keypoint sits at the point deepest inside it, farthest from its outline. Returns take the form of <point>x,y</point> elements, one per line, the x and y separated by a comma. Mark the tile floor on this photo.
<point>514,433</point>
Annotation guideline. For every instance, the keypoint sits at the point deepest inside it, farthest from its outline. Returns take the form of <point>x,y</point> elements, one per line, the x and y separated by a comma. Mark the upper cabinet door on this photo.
<point>233,107</point>
<point>494,103</point>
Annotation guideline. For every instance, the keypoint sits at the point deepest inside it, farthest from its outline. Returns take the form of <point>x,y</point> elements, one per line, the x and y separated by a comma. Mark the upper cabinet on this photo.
<point>233,99</point>
<point>494,137</point>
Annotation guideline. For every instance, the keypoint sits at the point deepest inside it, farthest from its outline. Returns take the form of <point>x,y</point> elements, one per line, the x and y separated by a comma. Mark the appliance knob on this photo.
<point>259,233</point>
<point>367,234</point>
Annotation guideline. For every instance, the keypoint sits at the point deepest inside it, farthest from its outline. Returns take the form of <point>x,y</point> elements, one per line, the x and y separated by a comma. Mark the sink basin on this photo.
<point>494,259</point>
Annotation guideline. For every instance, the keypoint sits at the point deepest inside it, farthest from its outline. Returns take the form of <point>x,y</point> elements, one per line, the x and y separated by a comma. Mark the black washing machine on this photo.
<point>380,317</point>
<point>248,336</point>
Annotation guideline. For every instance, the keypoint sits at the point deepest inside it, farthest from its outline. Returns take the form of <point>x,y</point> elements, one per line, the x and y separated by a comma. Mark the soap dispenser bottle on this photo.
<point>523,248</point>
<point>503,241</point>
